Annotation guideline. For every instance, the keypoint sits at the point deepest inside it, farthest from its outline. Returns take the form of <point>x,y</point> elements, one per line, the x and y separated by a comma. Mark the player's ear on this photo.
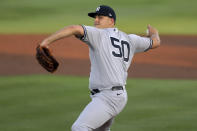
<point>112,21</point>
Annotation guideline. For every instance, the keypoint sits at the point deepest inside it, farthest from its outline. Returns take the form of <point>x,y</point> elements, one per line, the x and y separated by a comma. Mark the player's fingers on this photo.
<point>148,26</point>
<point>148,30</point>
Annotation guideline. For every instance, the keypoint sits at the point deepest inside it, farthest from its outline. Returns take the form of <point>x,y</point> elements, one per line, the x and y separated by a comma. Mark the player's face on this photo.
<point>103,22</point>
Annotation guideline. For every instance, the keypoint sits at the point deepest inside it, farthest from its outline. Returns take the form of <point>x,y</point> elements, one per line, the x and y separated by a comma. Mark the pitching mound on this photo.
<point>176,58</point>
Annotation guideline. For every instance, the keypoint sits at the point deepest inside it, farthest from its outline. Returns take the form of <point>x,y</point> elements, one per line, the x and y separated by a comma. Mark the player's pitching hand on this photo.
<point>154,35</point>
<point>151,30</point>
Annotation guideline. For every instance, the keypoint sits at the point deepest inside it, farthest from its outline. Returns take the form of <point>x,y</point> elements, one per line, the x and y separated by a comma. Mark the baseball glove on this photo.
<point>46,59</point>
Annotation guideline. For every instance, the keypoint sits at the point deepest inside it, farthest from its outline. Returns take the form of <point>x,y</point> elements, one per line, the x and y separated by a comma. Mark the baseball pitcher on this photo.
<point>111,52</point>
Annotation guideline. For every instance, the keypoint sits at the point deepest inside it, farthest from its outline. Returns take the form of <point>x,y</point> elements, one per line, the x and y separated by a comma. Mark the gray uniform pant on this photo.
<point>98,115</point>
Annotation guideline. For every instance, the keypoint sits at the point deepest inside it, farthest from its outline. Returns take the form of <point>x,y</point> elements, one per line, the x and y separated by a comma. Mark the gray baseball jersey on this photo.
<point>111,53</point>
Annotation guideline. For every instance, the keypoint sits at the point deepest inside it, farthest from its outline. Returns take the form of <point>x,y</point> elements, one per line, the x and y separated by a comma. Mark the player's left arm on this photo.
<point>154,35</point>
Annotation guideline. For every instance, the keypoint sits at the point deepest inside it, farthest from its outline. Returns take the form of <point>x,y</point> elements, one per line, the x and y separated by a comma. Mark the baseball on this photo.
<point>147,32</point>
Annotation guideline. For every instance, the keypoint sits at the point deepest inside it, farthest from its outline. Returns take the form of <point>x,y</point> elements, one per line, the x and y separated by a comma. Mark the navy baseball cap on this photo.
<point>103,10</point>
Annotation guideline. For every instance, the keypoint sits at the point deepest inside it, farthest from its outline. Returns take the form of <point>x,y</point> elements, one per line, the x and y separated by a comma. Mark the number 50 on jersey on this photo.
<point>123,48</point>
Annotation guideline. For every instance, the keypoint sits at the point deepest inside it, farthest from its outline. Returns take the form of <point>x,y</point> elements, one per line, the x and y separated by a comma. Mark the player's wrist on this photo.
<point>44,44</point>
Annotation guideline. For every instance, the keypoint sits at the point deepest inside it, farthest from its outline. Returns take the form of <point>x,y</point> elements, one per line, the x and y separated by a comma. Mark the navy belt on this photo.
<point>114,88</point>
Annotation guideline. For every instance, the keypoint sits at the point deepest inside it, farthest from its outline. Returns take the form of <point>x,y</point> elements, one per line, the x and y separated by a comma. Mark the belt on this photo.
<point>114,88</point>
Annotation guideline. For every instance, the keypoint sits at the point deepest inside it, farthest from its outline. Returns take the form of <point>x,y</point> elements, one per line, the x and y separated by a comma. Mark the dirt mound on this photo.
<point>174,59</point>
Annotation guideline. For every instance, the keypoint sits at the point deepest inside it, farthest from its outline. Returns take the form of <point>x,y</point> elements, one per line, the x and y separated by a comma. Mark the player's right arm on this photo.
<point>142,44</point>
<point>76,30</point>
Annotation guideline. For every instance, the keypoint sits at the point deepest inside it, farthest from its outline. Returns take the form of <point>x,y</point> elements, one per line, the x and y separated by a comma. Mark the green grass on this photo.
<point>52,103</point>
<point>46,16</point>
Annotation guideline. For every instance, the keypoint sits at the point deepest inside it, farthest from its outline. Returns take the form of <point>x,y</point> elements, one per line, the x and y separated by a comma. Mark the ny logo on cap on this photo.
<point>98,8</point>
